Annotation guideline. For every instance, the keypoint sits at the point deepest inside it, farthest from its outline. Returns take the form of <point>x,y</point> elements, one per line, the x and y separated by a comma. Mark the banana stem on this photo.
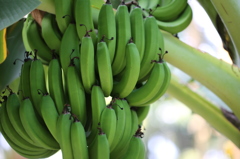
<point>204,108</point>
<point>230,13</point>
<point>220,77</point>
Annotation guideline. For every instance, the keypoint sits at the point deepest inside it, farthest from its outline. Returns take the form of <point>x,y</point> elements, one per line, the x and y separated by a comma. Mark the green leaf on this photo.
<point>9,71</point>
<point>13,10</point>
<point>221,78</point>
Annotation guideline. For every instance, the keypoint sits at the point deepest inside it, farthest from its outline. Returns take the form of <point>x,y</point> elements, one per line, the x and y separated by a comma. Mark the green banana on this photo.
<point>180,23</point>
<point>98,104</point>
<point>142,113</point>
<point>137,29</point>
<point>50,32</point>
<point>164,86</point>
<point>107,27</point>
<point>41,153</point>
<point>12,108</point>
<point>13,135</point>
<point>25,77</point>
<point>83,15</point>
<point>136,149</point>
<point>76,94</point>
<point>87,63</point>
<point>69,47</point>
<point>126,136</point>
<point>49,114</point>
<point>37,82</point>
<point>153,4</point>
<point>100,147</point>
<point>108,122</point>
<point>150,88</point>
<point>78,140</point>
<point>123,36</point>
<point>151,46</point>
<point>143,3</point>
<point>39,133</point>
<point>64,123</point>
<point>104,68</point>
<point>55,84</point>
<point>170,11</point>
<point>35,40</point>
<point>129,78</point>
<point>64,14</point>
<point>117,105</point>
<point>24,34</point>
<point>134,121</point>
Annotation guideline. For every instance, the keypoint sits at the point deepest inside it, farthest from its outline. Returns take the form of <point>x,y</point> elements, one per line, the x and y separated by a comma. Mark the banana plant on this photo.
<point>218,76</point>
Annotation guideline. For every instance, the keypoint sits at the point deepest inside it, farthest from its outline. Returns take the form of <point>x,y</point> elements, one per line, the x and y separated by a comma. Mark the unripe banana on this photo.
<point>76,94</point>
<point>35,40</point>
<point>127,131</point>
<point>151,46</point>
<point>12,108</point>
<point>12,134</point>
<point>170,11</point>
<point>25,79</point>
<point>150,88</point>
<point>98,104</point>
<point>83,15</point>
<point>69,47</point>
<point>108,123</point>
<point>134,121</point>
<point>123,36</point>
<point>87,63</point>
<point>142,113</point>
<point>55,84</point>
<point>164,86</point>
<point>37,82</point>
<point>107,27</point>
<point>129,78</point>
<point>178,24</point>
<point>64,123</point>
<point>50,32</point>
<point>38,132</point>
<point>64,14</point>
<point>136,149</point>
<point>137,29</point>
<point>100,148</point>
<point>104,68</point>
<point>78,140</point>
<point>41,153</point>
<point>49,114</point>
<point>117,105</point>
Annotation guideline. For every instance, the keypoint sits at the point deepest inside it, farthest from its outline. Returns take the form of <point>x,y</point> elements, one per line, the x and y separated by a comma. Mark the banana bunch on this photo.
<point>62,105</point>
<point>172,15</point>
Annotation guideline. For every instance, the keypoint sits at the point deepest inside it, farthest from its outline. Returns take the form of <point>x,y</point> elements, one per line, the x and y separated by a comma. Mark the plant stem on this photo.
<point>220,77</point>
<point>204,108</point>
<point>230,13</point>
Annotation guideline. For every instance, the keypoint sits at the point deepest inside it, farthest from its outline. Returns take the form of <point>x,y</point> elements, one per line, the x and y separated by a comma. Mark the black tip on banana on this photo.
<point>131,40</point>
<point>41,92</point>
<point>108,2</point>
<point>87,31</point>
<point>66,109</point>
<point>100,131</point>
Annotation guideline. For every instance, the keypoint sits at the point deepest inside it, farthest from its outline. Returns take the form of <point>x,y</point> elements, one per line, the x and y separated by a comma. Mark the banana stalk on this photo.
<point>230,13</point>
<point>220,77</point>
<point>204,108</point>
